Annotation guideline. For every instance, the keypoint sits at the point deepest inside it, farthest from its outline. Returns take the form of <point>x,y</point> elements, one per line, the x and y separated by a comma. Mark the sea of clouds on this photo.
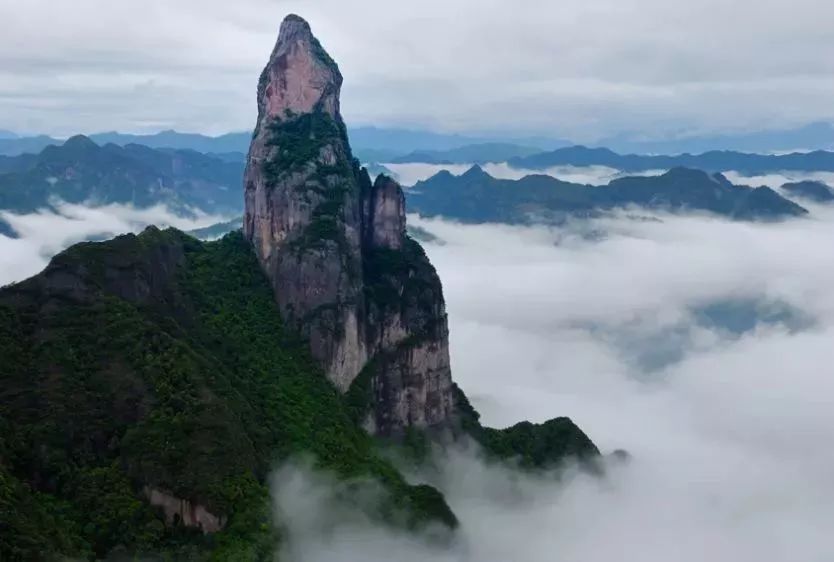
<point>608,322</point>
<point>729,434</point>
<point>42,234</point>
<point>410,173</point>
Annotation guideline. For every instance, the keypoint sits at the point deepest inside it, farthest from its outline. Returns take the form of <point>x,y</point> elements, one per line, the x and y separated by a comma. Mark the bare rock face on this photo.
<point>334,247</point>
<point>180,511</point>
<point>385,214</point>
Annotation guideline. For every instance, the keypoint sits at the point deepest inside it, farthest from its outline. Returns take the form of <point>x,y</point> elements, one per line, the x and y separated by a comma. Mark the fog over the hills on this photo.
<point>728,434</point>
<point>411,173</point>
<point>701,346</point>
<point>48,231</point>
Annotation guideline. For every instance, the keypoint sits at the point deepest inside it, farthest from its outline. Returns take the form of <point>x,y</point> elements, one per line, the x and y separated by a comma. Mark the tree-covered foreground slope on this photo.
<point>148,387</point>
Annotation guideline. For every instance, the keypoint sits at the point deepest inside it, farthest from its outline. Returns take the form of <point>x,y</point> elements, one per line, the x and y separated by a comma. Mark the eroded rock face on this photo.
<point>333,243</point>
<point>386,214</point>
<point>180,511</point>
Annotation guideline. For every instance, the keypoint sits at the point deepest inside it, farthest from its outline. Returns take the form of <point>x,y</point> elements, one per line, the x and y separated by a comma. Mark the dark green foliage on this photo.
<point>323,56</point>
<point>326,224</point>
<point>360,396</point>
<point>161,361</point>
<point>531,446</point>
<point>297,142</point>
<point>33,524</point>
<point>405,281</point>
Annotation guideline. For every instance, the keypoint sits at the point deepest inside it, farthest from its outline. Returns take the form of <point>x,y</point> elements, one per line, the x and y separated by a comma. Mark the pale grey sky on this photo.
<point>581,69</point>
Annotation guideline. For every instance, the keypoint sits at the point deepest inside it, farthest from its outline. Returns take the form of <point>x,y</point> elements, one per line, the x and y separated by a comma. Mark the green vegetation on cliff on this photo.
<point>160,361</point>
<point>530,446</point>
<point>298,140</point>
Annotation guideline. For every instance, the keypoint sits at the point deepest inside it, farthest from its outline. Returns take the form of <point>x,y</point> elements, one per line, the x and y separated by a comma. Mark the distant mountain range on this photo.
<point>714,161</point>
<point>376,144</point>
<point>819,135</point>
<point>815,191</point>
<point>477,197</point>
<point>82,171</point>
<point>469,154</point>
<point>230,142</point>
<point>370,144</point>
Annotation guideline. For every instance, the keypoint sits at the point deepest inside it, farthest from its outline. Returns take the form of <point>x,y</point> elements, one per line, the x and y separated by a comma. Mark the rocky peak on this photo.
<point>300,75</point>
<point>80,142</point>
<point>476,173</point>
<point>334,247</point>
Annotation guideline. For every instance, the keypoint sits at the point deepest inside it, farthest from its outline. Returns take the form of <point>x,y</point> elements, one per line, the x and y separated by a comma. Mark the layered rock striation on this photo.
<point>334,247</point>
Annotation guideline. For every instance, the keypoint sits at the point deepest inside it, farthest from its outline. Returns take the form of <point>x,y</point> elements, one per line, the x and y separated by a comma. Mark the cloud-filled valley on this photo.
<point>44,233</point>
<point>699,345</point>
<point>729,461</point>
<point>555,284</point>
<point>411,173</point>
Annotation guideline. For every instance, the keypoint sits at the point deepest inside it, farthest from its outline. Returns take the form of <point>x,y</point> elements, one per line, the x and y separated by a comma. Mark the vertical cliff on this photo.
<point>334,247</point>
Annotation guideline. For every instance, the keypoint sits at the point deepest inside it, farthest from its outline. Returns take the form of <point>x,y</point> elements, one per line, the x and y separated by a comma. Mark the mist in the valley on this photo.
<point>728,432</point>
<point>413,172</point>
<point>42,234</point>
<point>702,346</point>
<point>777,179</point>
<point>410,173</point>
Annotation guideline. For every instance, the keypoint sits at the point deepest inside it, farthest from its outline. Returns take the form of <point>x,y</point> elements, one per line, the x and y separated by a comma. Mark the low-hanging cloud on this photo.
<point>729,438</point>
<point>729,434</point>
<point>42,234</point>
<point>412,172</point>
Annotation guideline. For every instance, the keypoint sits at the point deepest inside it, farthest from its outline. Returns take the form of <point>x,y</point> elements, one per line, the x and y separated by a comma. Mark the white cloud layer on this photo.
<point>729,428</point>
<point>412,172</point>
<point>729,436</point>
<point>577,68</point>
<point>46,232</point>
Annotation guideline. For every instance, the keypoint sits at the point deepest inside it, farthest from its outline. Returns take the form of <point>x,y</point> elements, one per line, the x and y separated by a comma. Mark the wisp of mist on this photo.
<point>42,234</point>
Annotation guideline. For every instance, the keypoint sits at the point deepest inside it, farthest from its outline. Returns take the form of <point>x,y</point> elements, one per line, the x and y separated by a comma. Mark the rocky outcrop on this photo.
<point>385,214</point>
<point>182,512</point>
<point>334,246</point>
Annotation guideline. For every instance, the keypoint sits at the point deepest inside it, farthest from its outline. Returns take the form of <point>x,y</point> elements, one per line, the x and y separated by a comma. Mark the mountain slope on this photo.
<point>150,378</point>
<point>713,161</point>
<point>80,171</point>
<point>475,196</point>
<point>815,191</point>
<point>151,383</point>
<point>162,365</point>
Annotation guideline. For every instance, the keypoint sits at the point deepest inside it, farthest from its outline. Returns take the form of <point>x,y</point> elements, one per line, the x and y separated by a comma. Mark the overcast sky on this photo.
<point>580,69</point>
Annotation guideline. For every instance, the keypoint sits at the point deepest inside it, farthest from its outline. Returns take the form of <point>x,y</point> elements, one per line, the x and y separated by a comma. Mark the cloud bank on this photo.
<point>728,434</point>
<point>410,173</point>
<point>42,234</point>
<point>630,325</point>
